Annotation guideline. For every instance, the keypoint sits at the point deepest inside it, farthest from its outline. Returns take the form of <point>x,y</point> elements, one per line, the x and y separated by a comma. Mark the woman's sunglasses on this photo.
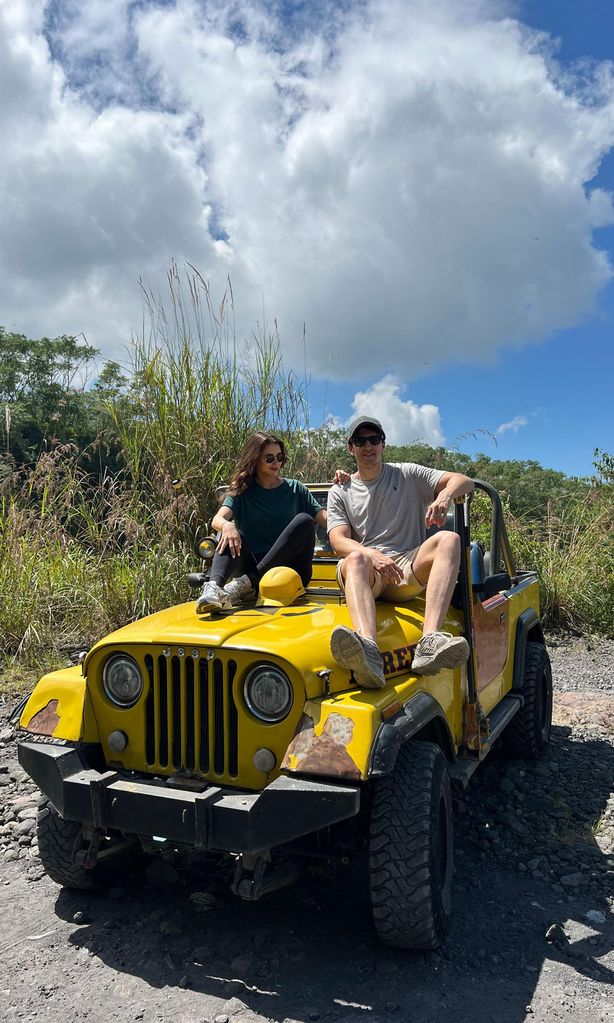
<point>374,440</point>
<point>269,459</point>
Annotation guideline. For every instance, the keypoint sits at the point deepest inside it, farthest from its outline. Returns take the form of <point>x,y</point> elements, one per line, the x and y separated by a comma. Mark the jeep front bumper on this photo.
<point>220,819</point>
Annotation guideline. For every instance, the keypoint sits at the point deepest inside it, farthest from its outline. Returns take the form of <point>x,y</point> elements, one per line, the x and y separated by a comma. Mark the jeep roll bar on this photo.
<point>499,542</point>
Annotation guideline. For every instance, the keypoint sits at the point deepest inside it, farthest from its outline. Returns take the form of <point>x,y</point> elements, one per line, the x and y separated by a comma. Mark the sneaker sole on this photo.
<point>452,656</point>
<point>348,651</point>
<point>211,605</point>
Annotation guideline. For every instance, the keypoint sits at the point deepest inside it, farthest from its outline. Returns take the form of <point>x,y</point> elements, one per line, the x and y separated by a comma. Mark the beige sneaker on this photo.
<point>360,655</point>
<point>438,650</point>
<point>240,590</point>
<point>213,598</point>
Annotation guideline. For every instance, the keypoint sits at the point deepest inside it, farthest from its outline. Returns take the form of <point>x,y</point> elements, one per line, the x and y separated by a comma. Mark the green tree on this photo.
<point>604,465</point>
<point>42,393</point>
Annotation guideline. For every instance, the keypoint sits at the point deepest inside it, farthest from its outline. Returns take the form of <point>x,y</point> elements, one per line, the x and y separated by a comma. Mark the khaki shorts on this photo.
<point>410,587</point>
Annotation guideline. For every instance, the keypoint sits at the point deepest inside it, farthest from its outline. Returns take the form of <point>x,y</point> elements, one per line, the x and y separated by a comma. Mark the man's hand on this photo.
<point>437,511</point>
<point>385,566</point>
<point>230,538</point>
<point>341,476</point>
<point>451,486</point>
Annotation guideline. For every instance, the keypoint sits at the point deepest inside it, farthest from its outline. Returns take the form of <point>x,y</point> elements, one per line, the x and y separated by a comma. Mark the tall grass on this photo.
<point>197,394</point>
<point>573,552</point>
<point>74,565</point>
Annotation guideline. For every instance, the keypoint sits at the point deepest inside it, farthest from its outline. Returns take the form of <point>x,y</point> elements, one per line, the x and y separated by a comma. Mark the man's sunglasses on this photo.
<point>269,459</point>
<point>373,440</point>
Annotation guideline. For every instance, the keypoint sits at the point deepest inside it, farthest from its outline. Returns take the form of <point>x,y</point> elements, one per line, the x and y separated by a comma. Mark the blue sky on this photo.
<point>426,186</point>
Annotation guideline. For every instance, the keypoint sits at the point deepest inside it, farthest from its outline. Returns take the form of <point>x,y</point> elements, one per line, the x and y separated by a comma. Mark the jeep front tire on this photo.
<point>58,843</point>
<point>411,849</point>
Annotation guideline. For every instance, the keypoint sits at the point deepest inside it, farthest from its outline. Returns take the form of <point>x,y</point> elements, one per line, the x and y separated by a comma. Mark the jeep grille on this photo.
<point>191,719</point>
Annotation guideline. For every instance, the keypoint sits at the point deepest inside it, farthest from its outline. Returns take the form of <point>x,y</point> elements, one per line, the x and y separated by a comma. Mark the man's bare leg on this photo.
<point>358,578</point>
<point>437,563</point>
<point>357,649</point>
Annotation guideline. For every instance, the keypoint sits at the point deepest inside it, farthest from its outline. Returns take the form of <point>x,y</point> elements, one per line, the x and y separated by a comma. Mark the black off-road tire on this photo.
<point>58,841</point>
<point>411,857</point>
<point>528,733</point>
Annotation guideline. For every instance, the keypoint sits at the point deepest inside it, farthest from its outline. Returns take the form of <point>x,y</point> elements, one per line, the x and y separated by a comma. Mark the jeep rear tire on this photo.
<point>528,733</point>
<point>58,843</point>
<point>411,849</point>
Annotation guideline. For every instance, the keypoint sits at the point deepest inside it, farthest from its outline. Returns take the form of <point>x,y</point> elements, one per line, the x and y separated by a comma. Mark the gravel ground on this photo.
<point>581,665</point>
<point>531,937</point>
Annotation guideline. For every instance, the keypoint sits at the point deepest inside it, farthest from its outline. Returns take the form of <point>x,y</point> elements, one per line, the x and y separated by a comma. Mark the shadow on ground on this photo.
<point>308,952</point>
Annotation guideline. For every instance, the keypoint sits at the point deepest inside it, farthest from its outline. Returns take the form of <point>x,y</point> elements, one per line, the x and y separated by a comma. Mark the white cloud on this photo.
<point>514,425</point>
<point>403,421</point>
<point>406,176</point>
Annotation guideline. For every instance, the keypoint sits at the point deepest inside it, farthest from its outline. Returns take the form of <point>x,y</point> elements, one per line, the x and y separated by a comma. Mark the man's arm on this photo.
<point>341,541</point>
<point>450,485</point>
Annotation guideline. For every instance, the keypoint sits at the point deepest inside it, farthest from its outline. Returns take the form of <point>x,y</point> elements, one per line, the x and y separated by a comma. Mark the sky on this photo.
<point>418,193</point>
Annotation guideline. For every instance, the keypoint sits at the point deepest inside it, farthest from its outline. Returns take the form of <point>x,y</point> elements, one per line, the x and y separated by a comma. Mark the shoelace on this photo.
<point>430,643</point>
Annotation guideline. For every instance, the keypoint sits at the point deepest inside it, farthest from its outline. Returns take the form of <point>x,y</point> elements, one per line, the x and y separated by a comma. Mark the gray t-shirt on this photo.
<point>388,512</point>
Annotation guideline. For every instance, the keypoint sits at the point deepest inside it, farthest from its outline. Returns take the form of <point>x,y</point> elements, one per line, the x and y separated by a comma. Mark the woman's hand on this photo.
<point>341,476</point>
<point>230,538</point>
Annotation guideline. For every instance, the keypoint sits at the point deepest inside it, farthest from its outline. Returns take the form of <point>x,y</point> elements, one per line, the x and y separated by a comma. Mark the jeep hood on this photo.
<point>299,633</point>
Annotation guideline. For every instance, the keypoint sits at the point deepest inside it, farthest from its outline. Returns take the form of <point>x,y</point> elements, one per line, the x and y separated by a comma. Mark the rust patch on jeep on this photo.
<point>46,720</point>
<point>324,754</point>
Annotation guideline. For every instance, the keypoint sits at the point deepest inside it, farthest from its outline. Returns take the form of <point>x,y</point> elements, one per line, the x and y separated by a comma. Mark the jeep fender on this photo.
<point>528,627</point>
<point>60,707</point>
<point>420,714</point>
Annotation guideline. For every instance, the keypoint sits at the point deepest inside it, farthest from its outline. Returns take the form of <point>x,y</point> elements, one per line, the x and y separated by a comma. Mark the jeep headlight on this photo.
<point>268,693</point>
<point>122,680</point>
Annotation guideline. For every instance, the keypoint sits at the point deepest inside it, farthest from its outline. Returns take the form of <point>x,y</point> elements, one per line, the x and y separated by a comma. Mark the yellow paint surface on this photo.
<point>74,709</point>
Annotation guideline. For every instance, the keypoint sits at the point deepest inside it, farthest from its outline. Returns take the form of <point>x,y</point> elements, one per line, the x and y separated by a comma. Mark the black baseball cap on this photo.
<point>365,421</point>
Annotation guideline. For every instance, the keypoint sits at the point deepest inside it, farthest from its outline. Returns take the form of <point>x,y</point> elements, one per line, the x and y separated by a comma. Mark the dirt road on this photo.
<point>532,934</point>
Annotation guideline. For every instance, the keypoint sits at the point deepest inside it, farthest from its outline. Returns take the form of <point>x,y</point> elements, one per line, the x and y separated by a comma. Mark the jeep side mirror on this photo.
<point>196,580</point>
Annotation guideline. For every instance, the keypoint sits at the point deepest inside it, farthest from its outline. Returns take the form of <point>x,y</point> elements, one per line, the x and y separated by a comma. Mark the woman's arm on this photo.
<point>231,538</point>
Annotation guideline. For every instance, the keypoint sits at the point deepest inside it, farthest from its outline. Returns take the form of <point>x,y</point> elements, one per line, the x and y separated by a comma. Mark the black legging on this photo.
<point>293,547</point>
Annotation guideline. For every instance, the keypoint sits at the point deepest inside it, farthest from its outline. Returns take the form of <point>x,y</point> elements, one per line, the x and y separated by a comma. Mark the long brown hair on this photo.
<point>245,470</point>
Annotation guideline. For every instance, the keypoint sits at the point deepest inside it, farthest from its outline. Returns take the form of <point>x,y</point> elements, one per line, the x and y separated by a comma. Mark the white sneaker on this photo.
<point>360,655</point>
<point>240,589</point>
<point>213,597</point>
<point>439,650</point>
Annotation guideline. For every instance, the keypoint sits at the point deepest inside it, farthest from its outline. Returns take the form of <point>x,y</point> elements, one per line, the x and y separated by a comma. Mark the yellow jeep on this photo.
<point>235,733</point>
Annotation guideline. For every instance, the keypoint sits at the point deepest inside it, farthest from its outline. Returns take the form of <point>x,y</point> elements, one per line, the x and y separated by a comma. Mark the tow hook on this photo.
<point>249,880</point>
